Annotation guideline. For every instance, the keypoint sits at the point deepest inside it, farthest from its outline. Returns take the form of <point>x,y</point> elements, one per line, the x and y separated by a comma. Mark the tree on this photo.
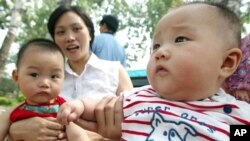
<point>137,18</point>
<point>232,4</point>
<point>64,2</point>
<point>10,37</point>
<point>235,5</point>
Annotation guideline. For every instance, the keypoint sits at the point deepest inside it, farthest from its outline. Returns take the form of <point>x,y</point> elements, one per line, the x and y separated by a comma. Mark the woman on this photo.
<point>85,74</point>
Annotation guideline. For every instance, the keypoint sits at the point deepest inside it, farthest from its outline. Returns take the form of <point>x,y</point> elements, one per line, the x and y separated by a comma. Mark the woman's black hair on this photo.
<point>42,43</point>
<point>59,11</point>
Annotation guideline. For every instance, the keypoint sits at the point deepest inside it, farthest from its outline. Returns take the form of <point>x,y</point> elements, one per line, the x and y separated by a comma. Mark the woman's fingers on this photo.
<point>109,116</point>
<point>100,113</point>
<point>109,112</point>
<point>113,130</point>
<point>41,129</point>
<point>55,130</point>
<point>118,114</point>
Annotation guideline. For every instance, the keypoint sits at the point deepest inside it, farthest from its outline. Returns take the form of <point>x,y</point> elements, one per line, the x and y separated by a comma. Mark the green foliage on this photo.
<point>8,87</point>
<point>156,9</point>
<point>4,101</point>
<point>20,97</point>
<point>5,13</point>
<point>35,19</point>
<point>245,16</point>
<point>11,101</point>
<point>137,18</point>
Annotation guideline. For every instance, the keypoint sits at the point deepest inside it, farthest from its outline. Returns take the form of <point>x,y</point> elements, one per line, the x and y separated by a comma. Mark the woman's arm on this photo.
<point>41,129</point>
<point>108,118</point>
<point>125,83</point>
<point>4,124</point>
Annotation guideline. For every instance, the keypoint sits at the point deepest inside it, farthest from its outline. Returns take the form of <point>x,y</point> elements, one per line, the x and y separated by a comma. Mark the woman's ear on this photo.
<point>231,61</point>
<point>15,76</point>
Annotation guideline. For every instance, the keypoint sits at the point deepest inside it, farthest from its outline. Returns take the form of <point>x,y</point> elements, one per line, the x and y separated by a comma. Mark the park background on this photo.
<point>21,20</point>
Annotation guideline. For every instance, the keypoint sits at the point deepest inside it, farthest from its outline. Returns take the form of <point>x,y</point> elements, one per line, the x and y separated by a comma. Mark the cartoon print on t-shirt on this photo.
<point>175,131</point>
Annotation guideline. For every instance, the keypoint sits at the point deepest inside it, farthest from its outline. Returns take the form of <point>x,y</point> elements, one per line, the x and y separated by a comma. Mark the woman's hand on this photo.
<point>108,114</point>
<point>37,129</point>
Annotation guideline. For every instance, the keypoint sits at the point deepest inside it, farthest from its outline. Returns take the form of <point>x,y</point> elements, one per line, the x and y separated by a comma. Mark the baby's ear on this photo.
<point>15,76</point>
<point>231,61</point>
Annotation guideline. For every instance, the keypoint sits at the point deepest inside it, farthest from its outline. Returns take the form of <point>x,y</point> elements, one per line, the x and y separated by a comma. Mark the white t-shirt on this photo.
<point>99,78</point>
<point>149,117</point>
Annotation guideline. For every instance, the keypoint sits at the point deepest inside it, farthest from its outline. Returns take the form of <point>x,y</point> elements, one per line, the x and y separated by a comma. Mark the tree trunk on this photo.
<point>11,34</point>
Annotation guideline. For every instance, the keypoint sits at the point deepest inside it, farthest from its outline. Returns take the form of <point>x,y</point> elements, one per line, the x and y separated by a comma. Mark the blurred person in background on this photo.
<point>105,45</point>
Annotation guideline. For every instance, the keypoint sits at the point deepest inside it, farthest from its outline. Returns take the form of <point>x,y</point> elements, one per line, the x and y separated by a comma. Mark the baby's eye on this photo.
<point>156,46</point>
<point>34,74</point>
<point>54,76</point>
<point>181,39</point>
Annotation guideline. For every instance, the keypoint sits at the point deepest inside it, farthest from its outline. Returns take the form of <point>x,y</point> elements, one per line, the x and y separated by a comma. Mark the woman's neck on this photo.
<point>79,65</point>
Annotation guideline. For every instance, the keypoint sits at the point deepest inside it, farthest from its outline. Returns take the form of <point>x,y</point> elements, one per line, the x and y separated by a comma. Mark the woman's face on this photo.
<point>72,36</point>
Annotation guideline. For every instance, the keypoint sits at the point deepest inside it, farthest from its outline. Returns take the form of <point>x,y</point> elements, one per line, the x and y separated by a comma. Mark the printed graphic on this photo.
<point>171,130</point>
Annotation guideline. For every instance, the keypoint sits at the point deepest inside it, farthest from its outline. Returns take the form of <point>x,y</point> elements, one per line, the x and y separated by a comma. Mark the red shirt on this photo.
<point>20,113</point>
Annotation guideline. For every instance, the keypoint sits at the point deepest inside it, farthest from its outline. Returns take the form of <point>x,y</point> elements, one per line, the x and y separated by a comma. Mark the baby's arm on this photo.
<point>76,133</point>
<point>4,124</point>
<point>72,110</point>
<point>108,118</point>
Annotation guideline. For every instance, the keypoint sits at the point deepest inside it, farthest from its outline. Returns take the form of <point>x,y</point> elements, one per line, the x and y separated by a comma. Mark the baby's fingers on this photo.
<point>64,114</point>
<point>244,98</point>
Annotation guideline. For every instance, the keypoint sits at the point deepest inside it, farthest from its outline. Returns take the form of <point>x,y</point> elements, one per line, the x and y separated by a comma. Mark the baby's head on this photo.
<point>39,71</point>
<point>195,47</point>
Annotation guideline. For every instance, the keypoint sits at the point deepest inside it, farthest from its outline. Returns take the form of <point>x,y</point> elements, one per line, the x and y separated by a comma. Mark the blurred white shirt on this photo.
<point>99,78</point>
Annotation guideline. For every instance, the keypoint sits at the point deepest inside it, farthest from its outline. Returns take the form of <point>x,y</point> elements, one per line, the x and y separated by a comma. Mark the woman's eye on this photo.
<point>60,32</point>
<point>156,46</point>
<point>77,28</point>
<point>181,39</point>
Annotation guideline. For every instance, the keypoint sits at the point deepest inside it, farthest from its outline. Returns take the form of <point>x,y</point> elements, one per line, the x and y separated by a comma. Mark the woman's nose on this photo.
<point>70,37</point>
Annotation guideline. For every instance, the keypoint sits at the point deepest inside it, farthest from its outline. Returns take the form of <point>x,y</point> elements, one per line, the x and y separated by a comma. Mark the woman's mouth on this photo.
<point>72,48</point>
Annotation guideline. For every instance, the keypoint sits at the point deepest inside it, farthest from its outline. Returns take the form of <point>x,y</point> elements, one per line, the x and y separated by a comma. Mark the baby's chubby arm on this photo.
<point>72,110</point>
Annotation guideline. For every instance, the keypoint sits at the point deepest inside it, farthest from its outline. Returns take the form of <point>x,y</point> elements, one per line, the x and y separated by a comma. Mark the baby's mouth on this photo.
<point>43,93</point>
<point>160,69</point>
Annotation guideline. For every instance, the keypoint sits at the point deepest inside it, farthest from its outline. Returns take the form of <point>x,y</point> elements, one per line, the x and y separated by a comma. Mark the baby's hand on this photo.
<point>242,95</point>
<point>70,111</point>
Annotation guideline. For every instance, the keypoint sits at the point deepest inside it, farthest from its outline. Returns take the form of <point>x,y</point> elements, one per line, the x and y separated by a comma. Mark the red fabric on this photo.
<point>19,113</point>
